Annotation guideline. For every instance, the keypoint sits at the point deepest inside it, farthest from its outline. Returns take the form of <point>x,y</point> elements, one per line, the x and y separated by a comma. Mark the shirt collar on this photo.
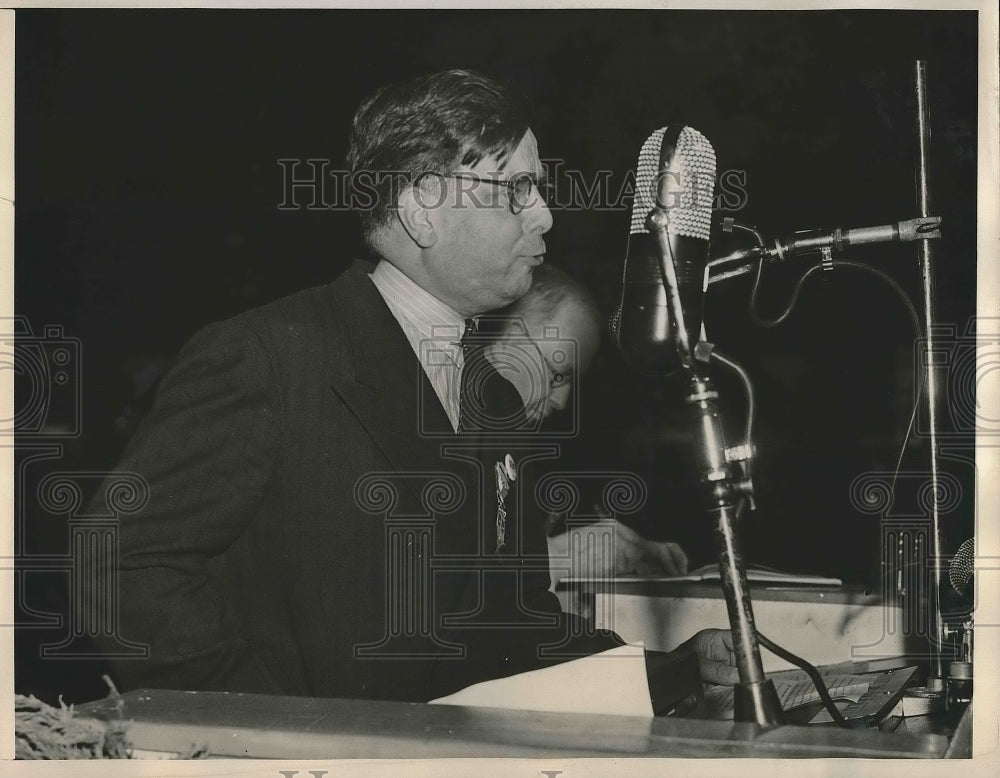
<point>434,319</point>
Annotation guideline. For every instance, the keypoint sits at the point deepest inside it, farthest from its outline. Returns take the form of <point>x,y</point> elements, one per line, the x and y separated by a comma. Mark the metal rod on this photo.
<point>808,243</point>
<point>737,594</point>
<point>925,255</point>
<point>755,698</point>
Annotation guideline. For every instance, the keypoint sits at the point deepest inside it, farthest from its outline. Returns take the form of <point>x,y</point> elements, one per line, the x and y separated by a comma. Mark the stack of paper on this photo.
<point>794,690</point>
<point>755,574</point>
<point>612,682</point>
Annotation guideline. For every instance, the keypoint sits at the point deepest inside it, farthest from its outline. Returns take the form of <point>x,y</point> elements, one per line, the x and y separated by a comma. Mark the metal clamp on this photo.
<point>741,453</point>
<point>827,260</point>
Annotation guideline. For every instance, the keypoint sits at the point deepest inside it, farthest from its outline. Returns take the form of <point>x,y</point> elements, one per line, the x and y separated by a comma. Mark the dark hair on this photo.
<point>432,123</point>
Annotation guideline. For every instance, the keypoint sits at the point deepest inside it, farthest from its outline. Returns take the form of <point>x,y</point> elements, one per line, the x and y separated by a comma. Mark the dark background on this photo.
<point>148,185</point>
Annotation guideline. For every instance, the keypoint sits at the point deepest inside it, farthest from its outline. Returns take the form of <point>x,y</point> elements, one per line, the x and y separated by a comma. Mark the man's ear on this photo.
<point>416,211</point>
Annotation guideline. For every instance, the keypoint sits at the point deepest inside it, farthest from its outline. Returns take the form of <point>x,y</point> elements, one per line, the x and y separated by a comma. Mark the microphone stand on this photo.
<point>923,230</point>
<point>755,698</point>
<point>932,374</point>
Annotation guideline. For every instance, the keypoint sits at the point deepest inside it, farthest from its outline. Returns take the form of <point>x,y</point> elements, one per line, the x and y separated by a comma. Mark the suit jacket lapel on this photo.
<point>385,387</point>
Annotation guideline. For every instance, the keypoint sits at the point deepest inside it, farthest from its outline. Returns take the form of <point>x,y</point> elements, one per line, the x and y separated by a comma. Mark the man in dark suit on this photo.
<point>326,515</point>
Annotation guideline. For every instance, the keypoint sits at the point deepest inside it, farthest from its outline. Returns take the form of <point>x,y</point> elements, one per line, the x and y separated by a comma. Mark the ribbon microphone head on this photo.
<point>962,568</point>
<point>675,189</point>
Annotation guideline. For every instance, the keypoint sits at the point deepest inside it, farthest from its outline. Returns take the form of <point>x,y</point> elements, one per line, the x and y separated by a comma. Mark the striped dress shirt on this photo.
<point>433,329</point>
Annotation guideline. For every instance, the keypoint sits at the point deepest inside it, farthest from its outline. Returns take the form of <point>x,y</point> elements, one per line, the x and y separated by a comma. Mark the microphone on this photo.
<point>810,242</point>
<point>962,567</point>
<point>658,318</point>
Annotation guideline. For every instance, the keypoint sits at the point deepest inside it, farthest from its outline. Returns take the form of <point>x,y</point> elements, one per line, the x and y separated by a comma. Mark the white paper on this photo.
<point>711,573</point>
<point>792,693</point>
<point>612,682</point>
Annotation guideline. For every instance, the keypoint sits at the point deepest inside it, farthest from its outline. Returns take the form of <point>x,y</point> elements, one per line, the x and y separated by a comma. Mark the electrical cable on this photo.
<point>813,674</point>
<point>811,671</point>
<point>752,307</point>
<point>747,385</point>
<point>914,320</point>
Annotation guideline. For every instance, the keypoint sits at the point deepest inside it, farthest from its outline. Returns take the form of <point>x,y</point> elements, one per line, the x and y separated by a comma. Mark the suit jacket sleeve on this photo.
<point>206,451</point>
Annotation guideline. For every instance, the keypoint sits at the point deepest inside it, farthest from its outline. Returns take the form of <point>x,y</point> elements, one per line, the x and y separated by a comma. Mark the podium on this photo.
<point>164,722</point>
<point>822,624</point>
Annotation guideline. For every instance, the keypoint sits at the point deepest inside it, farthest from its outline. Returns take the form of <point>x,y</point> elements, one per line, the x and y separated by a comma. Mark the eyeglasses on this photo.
<point>518,187</point>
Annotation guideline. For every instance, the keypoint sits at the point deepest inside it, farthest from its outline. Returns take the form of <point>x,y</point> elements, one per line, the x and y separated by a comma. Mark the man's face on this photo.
<point>542,364</point>
<point>484,255</point>
<point>573,325</point>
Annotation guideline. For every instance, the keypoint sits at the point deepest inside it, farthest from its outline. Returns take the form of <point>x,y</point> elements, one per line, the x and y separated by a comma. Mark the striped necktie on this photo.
<point>488,402</point>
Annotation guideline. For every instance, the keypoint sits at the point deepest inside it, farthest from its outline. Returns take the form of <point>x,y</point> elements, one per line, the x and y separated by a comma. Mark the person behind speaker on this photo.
<point>284,441</point>
<point>543,344</point>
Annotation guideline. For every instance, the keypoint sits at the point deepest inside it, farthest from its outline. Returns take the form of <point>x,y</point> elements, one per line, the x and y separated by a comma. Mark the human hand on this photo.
<point>636,554</point>
<point>608,548</point>
<point>716,657</point>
